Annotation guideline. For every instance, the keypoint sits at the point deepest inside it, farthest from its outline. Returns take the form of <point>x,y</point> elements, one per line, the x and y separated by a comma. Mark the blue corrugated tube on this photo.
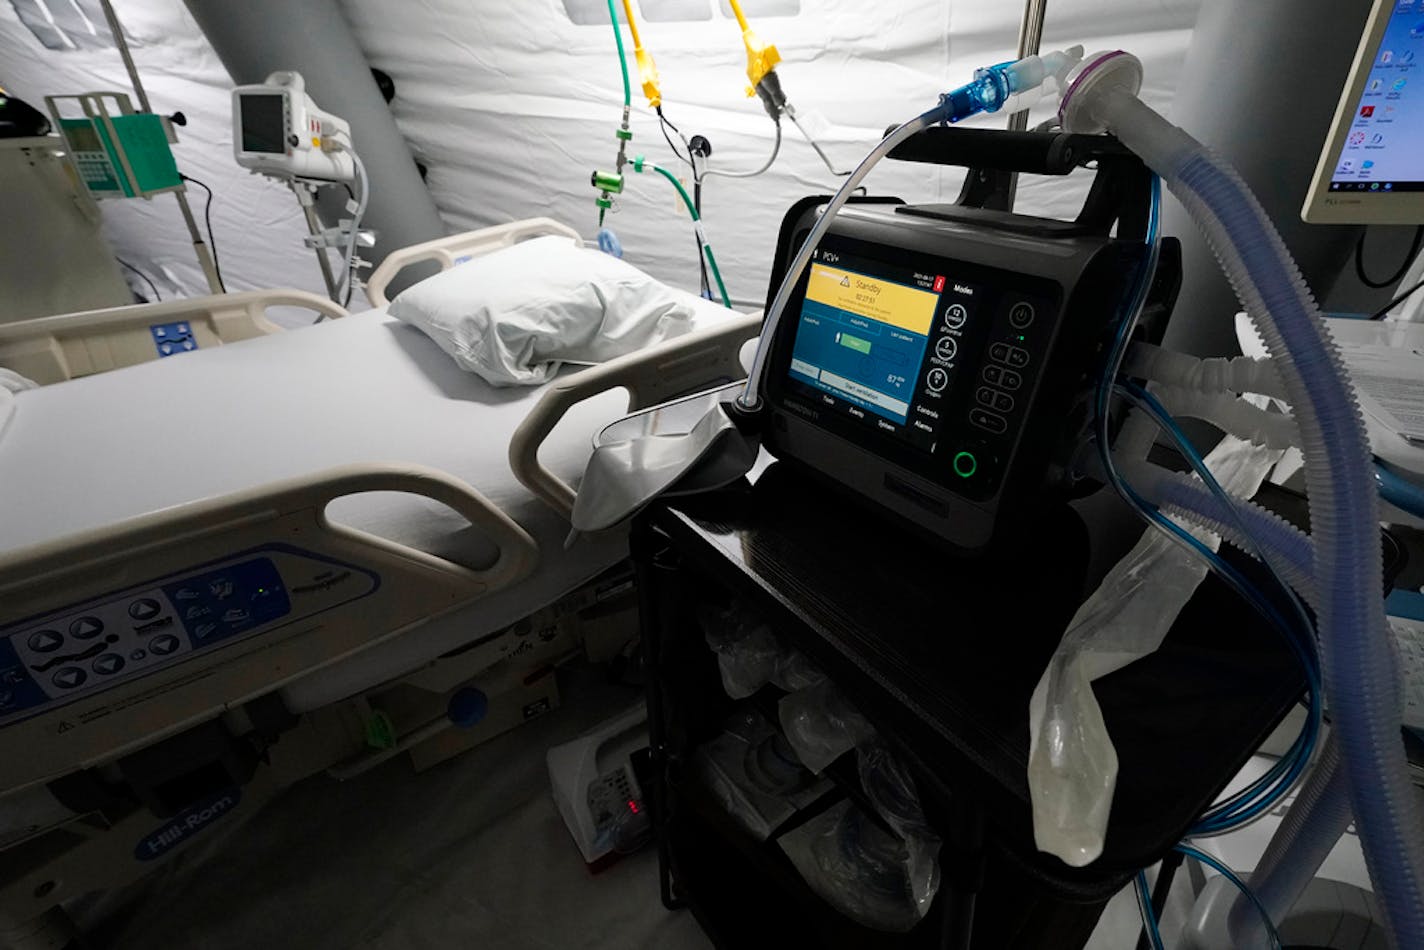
<point>1360,678</point>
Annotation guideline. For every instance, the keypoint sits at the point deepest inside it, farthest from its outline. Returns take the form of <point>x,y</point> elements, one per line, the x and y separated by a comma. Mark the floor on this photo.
<point>471,853</point>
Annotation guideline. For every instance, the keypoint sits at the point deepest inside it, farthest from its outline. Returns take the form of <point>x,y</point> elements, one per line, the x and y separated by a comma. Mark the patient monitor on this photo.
<point>277,130</point>
<point>1371,170</point>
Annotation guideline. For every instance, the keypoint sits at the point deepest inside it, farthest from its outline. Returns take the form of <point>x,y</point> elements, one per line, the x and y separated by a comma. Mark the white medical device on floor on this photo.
<point>278,130</point>
<point>596,790</point>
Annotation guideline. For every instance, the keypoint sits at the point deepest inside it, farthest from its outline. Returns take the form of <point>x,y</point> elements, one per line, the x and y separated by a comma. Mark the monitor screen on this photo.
<point>83,137</point>
<point>263,125</point>
<point>864,333</point>
<point>1383,149</point>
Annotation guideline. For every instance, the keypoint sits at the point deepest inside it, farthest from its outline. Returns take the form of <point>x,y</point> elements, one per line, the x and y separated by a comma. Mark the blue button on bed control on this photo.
<point>145,608</point>
<point>69,677</point>
<point>86,628</point>
<point>163,645</point>
<point>45,641</point>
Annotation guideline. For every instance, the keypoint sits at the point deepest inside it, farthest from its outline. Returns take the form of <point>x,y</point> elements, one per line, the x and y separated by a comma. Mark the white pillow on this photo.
<point>513,316</point>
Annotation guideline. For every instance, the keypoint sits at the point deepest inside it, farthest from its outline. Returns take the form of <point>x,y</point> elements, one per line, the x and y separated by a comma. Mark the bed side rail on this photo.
<point>67,346</point>
<point>652,376</point>
<point>452,250</point>
<point>207,605</point>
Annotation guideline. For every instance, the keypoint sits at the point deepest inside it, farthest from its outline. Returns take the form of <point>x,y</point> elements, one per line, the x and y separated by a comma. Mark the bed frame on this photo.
<point>389,588</point>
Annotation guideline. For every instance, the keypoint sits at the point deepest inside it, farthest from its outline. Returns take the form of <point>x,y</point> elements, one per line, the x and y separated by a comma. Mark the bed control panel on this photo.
<point>88,647</point>
<point>170,339</point>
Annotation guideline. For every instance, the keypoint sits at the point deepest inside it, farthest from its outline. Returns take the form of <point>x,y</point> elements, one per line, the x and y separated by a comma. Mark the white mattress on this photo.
<point>367,388</point>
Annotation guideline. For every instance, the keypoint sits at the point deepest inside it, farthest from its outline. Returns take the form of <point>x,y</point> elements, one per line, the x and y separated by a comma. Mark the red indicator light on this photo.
<point>938,284</point>
<point>633,806</point>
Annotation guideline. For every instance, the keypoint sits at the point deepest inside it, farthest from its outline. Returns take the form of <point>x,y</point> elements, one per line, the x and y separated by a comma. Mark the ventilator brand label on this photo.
<point>185,824</point>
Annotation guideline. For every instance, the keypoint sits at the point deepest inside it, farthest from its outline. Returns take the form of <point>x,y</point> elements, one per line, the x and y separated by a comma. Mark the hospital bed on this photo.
<point>201,554</point>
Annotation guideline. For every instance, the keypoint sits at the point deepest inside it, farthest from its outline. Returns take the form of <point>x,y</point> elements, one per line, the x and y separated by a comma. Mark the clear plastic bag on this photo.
<point>821,724</point>
<point>750,655</point>
<point>747,651</point>
<point>857,867</point>
<point>1072,770</point>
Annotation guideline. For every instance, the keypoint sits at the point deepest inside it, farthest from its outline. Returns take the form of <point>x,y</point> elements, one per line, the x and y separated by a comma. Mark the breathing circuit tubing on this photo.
<point>1341,556</point>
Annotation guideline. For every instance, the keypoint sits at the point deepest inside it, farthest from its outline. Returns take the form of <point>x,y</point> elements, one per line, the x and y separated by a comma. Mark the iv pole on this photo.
<point>200,248</point>
<point>1030,38</point>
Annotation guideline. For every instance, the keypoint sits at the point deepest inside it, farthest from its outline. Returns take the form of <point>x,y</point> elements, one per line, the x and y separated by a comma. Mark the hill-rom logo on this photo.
<point>185,824</point>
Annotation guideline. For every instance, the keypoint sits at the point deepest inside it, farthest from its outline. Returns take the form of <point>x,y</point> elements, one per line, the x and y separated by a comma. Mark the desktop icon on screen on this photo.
<point>1399,84</point>
<point>1366,111</point>
<point>1357,138</point>
<point>1387,57</point>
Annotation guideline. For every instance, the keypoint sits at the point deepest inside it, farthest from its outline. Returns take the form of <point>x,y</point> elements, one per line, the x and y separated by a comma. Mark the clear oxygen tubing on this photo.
<point>697,223</point>
<point>1311,828</point>
<point>1400,491</point>
<point>1360,676</point>
<point>751,395</point>
<point>825,159</point>
<point>1290,551</point>
<point>1241,374</point>
<point>1006,85</point>
<point>770,160</point>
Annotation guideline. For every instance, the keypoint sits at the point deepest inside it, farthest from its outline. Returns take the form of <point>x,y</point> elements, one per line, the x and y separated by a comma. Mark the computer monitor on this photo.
<point>1372,168</point>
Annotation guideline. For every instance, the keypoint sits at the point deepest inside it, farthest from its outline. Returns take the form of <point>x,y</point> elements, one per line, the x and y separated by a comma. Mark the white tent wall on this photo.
<point>511,106</point>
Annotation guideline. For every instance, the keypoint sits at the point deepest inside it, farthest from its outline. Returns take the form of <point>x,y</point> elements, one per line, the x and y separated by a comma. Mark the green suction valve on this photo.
<point>608,181</point>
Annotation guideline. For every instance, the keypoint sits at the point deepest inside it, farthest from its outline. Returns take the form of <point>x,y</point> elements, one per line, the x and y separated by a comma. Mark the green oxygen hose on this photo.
<point>622,57</point>
<point>639,165</point>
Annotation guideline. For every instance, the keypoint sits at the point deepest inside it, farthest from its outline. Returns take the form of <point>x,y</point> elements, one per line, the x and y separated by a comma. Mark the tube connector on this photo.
<point>1014,86</point>
<point>762,58</point>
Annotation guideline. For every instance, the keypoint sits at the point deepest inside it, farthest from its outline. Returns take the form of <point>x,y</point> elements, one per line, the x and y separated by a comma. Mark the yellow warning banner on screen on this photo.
<point>883,300</point>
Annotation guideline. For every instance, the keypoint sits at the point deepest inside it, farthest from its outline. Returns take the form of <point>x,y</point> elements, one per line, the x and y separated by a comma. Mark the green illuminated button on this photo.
<point>965,464</point>
<point>853,342</point>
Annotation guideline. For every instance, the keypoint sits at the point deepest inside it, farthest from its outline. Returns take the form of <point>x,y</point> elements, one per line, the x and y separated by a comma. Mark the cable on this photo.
<point>664,123</point>
<point>1398,275</point>
<point>1149,916</point>
<point>208,220</point>
<point>770,160</point>
<point>1382,311</point>
<point>144,277</point>
<point>705,286</point>
<point>1226,872</point>
<point>364,191</point>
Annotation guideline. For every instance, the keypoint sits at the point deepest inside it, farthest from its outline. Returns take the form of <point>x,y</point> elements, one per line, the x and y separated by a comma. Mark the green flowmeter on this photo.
<point>117,155</point>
